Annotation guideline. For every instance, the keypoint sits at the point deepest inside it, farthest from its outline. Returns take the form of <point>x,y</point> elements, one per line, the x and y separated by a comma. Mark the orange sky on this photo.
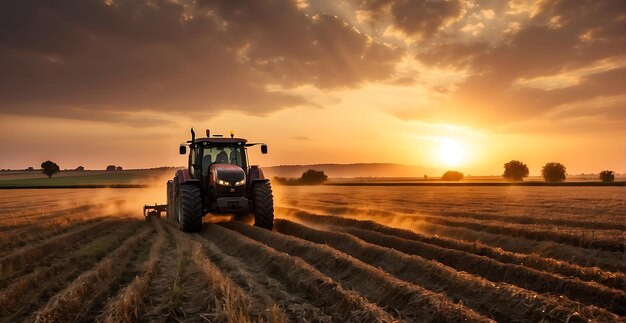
<point>95,83</point>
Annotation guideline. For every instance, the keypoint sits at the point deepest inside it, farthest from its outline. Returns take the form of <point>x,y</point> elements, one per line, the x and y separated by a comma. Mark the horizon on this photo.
<point>429,172</point>
<point>451,85</point>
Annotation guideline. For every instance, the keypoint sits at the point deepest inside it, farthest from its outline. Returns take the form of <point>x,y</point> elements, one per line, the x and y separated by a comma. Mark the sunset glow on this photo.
<point>451,152</point>
<point>121,82</point>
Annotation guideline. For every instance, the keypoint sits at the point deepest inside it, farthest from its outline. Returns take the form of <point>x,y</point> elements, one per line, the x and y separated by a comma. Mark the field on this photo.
<point>337,254</point>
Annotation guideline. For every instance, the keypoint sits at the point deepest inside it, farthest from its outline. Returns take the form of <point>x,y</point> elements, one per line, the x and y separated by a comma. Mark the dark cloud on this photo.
<point>415,17</point>
<point>563,36</point>
<point>90,59</point>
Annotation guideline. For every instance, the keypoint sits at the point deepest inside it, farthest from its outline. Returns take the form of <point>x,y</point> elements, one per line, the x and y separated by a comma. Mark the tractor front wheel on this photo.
<point>190,208</point>
<point>263,205</point>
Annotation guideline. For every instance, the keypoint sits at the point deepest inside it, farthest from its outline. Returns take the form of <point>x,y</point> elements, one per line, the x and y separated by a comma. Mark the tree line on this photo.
<point>516,171</point>
<point>50,168</point>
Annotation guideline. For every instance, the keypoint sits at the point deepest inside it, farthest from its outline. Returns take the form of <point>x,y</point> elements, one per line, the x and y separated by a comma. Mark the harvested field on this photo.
<point>336,254</point>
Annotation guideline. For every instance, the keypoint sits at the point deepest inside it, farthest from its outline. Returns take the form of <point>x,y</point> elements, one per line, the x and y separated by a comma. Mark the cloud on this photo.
<point>103,59</point>
<point>586,35</point>
<point>422,18</point>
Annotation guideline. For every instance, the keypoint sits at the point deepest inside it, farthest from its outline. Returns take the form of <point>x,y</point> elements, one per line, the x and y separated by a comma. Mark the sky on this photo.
<point>458,84</point>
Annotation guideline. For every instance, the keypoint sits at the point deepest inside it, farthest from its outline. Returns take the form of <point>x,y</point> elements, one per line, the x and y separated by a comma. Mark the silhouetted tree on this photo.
<point>553,172</point>
<point>607,176</point>
<point>80,168</point>
<point>515,170</point>
<point>312,177</point>
<point>50,168</point>
<point>111,168</point>
<point>119,168</point>
<point>452,175</point>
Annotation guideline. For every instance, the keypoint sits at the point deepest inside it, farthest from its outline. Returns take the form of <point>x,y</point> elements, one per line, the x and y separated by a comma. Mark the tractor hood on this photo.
<point>227,172</point>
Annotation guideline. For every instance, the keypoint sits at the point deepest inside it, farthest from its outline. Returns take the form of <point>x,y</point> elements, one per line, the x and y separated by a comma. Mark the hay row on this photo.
<point>126,306</point>
<point>408,301</point>
<point>503,302</point>
<point>28,255</point>
<point>615,280</point>
<point>18,238</point>
<point>524,277</point>
<point>609,261</point>
<point>322,291</point>
<point>26,293</point>
<point>75,299</point>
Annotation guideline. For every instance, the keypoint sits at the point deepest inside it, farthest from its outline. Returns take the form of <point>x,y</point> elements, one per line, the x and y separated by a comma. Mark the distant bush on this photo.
<point>80,168</point>
<point>310,177</point>
<point>553,172</point>
<point>452,175</point>
<point>111,168</point>
<point>119,168</point>
<point>50,168</point>
<point>313,177</point>
<point>515,170</point>
<point>607,176</point>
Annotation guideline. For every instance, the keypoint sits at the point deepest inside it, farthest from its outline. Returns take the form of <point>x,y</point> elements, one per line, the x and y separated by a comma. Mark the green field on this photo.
<point>129,178</point>
<point>155,177</point>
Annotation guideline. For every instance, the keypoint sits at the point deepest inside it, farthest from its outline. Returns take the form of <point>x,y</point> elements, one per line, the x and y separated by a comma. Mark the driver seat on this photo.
<point>222,158</point>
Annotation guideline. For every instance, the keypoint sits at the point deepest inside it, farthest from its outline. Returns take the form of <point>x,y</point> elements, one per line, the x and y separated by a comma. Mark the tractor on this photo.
<point>218,180</point>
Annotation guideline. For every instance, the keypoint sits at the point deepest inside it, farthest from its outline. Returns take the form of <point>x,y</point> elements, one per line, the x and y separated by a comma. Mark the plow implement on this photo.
<point>153,210</point>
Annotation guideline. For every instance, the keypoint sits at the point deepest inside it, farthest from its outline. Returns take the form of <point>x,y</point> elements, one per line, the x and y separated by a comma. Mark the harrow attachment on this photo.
<point>153,210</point>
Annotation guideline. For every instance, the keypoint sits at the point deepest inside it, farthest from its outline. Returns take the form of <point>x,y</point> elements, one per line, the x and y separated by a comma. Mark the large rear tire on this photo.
<point>190,207</point>
<point>175,203</point>
<point>168,208</point>
<point>263,205</point>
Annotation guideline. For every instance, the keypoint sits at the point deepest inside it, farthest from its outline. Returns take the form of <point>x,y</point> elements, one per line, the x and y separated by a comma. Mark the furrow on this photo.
<point>28,255</point>
<point>407,301</point>
<point>268,295</point>
<point>126,305</point>
<point>26,293</point>
<point>30,235</point>
<point>321,291</point>
<point>501,301</point>
<point>79,298</point>
<point>531,279</point>
<point>613,280</point>
<point>609,261</point>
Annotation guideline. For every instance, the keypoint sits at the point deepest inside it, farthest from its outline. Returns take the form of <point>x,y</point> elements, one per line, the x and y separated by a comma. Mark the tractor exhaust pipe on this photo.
<point>193,138</point>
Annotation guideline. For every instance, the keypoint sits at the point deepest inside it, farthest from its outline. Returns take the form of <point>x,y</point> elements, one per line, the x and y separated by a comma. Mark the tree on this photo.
<point>607,176</point>
<point>553,172</point>
<point>452,175</point>
<point>515,170</point>
<point>312,177</point>
<point>111,168</point>
<point>119,168</point>
<point>50,168</point>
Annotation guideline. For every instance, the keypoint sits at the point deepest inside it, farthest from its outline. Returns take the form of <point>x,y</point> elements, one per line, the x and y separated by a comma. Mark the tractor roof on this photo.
<point>220,141</point>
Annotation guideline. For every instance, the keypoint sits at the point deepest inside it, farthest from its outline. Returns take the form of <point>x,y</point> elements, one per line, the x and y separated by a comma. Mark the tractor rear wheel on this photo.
<point>174,203</point>
<point>190,208</point>
<point>168,208</point>
<point>263,205</point>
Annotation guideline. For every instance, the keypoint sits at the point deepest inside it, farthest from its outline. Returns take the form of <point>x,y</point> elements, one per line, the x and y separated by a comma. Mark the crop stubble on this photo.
<point>70,262</point>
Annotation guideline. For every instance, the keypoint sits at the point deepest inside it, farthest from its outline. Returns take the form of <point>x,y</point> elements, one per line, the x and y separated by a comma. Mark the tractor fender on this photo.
<point>184,177</point>
<point>256,174</point>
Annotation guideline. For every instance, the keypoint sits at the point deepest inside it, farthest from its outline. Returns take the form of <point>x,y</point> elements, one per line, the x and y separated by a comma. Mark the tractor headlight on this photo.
<point>225,183</point>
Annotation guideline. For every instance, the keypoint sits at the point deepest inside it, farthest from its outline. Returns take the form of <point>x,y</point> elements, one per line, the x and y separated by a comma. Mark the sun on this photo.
<point>451,152</point>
